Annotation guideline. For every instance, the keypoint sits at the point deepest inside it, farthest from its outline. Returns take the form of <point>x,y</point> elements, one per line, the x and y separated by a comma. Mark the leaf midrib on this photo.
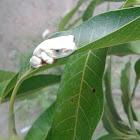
<point>78,106</point>
<point>98,40</point>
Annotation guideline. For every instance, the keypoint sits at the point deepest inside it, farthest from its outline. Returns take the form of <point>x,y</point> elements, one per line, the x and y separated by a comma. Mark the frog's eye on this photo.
<point>58,51</point>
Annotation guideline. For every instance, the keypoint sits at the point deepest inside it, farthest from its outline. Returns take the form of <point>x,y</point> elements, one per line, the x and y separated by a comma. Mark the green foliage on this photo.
<point>42,125</point>
<point>5,75</point>
<point>79,104</point>
<point>80,99</point>
<point>131,3</point>
<point>137,69</point>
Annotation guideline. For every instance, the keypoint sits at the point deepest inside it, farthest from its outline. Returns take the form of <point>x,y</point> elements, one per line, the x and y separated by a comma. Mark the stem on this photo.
<point>131,121</point>
<point>12,129</point>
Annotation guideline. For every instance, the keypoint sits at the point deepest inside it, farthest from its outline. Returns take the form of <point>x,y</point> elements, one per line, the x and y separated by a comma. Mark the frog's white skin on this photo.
<point>51,49</point>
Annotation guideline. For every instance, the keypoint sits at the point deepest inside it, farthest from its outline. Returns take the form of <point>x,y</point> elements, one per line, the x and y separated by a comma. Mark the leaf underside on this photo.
<point>79,102</point>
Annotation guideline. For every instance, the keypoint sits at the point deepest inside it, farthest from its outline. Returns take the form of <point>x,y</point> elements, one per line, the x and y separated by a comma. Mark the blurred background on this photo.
<point>23,25</point>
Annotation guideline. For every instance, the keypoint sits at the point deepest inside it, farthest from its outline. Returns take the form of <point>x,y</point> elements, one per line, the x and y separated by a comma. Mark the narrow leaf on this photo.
<point>6,75</point>
<point>66,19</point>
<point>90,9</point>
<point>137,68</point>
<point>130,3</point>
<point>108,92</point>
<point>41,126</point>
<point>137,71</point>
<point>33,84</point>
<point>125,87</point>
<point>112,125</point>
<point>125,49</point>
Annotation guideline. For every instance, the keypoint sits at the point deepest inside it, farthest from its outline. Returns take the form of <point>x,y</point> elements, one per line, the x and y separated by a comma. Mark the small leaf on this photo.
<point>137,69</point>
<point>125,87</point>
<point>108,92</point>
<point>111,124</point>
<point>41,126</point>
<point>89,11</point>
<point>125,49</point>
<point>110,104</point>
<point>126,97</point>
<point>6,75</point>
<point>129,3</point>
<point>33,84</point>
<point>66,19</point>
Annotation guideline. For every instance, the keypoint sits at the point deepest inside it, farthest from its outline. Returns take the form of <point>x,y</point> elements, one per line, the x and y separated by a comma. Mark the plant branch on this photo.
<point>131,121</point>
<point>12,129</point>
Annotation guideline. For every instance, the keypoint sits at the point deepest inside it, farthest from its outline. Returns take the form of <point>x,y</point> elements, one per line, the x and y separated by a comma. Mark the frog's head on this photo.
<point>60,46</point>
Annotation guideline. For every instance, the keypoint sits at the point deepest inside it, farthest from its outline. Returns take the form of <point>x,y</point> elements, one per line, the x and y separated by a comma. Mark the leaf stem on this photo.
<point>12,129</point>
<point>134,89</point>
<point>131,121</point>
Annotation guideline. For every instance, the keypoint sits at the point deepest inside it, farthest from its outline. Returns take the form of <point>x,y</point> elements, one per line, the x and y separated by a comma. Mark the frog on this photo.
<point>52,49</point>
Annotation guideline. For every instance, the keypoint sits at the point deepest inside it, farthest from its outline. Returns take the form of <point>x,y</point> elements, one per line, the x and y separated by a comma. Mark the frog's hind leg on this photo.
<point>46,58</point>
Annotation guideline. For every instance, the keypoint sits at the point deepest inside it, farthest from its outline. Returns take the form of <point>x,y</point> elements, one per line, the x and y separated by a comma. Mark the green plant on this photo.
<point>80,101</point>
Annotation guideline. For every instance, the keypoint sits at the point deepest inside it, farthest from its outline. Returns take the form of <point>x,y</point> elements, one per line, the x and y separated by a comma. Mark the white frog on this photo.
<point>49,50</point>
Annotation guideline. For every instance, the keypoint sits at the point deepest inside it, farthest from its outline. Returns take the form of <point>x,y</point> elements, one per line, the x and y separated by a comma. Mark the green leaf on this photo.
<point>33,84</point>
<point>9,85</point>
<point>135,46</point>
<point>90,9</point>
<point>125,49</point>
<point>125,87</point>
<point>137,71</point>
<point>110,106</point>
<point>66,19</point>
<point>72,25</point>
<point>113,137</point>
<point>112,125</point>
<point>106,123</point>
<point>80,97</point>
<point>137,68</point>
<point>6,75</point>
<point>129,3</point>
<point>126,97</point>
<point>108,92</point>
<point>119,27</point>
<point>41,126</point>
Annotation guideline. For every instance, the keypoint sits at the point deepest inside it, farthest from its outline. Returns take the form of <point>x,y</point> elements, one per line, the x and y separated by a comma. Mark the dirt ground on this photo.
<point>21,25</point>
